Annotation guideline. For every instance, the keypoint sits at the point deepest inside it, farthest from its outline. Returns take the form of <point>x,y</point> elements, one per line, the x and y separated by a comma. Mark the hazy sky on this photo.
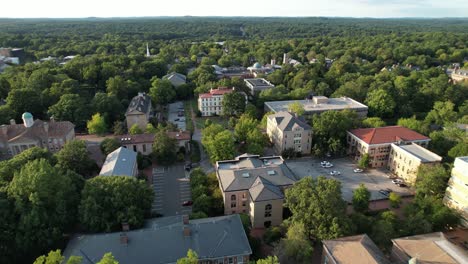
<point>130,8</point>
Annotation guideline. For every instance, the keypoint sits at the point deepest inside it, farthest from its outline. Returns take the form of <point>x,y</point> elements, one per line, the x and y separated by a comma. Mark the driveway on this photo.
<point>173,117</point>
<point>373,179</point>
<point>171,188</point>
<point>205,163</point>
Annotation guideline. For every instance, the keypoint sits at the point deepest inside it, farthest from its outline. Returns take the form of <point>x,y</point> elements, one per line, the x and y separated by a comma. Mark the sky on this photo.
<point>289,8</point>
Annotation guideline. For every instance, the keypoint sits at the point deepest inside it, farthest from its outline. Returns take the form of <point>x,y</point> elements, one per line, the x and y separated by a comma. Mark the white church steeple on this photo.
<point>147,51</point>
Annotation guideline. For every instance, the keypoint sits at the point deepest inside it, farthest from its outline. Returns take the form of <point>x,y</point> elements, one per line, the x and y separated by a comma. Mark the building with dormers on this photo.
<point>138,111</point>
<point>255,185</point>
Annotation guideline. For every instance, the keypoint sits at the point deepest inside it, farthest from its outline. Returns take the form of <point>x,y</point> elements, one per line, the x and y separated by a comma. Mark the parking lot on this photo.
<point>373,179</point>
<point>174,117</point>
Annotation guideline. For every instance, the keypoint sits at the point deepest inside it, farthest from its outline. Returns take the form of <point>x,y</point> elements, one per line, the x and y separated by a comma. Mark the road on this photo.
<point>205,163</point>
<point>174,108</point>
<point>171,188</point>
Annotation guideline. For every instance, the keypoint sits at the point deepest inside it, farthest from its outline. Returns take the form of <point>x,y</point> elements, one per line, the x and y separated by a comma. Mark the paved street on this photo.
<point>204,160</point>
<point>174,108</point>
<point>373,179</point>
<point>171,188</point>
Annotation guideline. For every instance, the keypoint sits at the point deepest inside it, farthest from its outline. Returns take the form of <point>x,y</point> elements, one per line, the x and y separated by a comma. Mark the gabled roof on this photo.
<point>263,190</point>
<point>40,131</point>
<point>355,249</point>
<point>286,121</point>
<point>431,248</point>
<point>389,134</point>
<point>241,173</point>
<point>162,241</point>
<point>176,78</point>
<point>220,91</point>
<point>139,104</point>
<point>119,162</point>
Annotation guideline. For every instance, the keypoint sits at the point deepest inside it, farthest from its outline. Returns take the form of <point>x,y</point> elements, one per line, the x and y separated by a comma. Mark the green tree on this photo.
<point>109,106</point>
<point>161,91</point>
<point>218,143</point>
<point>9,167</point>
<point>256,142</point>
<point>108,201</point>
<point>395,200</point>
<point>118,87</point>
<point>74,156</point>
<point>55,257</point>
<point>380,103</point>
<point>296,108</point>
<point>192,258</point>
<point>233,104</point>
<point>361,198</point>
<point>385,229</point>
<point>244,125</point>
<point>97,125</point>
<point>413,124</point>
<point>25,100</point>
<point>296,247</point>
<point>45,201</point>
<point>373,122</point>
<point>431,180</point>
<point>150,129</point>
<point>319,205</point>
<point>70,107</point>
<point>108,258</point>
<point>164,148</point>
<point>460,150</point>
<point>6,114</point>
<point>268,260</point>
<point>135,130</point>
<point>363,162</point>
<point>108,145</point>
<point>442,114</point>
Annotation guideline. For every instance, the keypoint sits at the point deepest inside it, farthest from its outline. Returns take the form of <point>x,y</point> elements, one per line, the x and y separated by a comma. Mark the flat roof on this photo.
<point>259,82</point>
<point>341,103</point>
<point>421,153</point>
<point>355,249</point>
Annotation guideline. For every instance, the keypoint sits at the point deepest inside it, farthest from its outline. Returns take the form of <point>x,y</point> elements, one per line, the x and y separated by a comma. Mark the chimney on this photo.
<point>12,122</point>
<point>123,238</point>
<point>46,127</point>
<point>186,231</point>
<point>125,227</point>
<point>185,219</point>
<point>4,129</point>
<point>52,119</point>
<point>273,62</point>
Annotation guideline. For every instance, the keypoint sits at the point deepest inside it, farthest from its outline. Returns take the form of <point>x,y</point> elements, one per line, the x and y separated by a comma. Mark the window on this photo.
<point>244,203</point>
<point>144,147</point>
<point>233,197</point>
<point>134,148</point>
<point>267,224</point>
<point>268,210</point>
<point>233,204</point>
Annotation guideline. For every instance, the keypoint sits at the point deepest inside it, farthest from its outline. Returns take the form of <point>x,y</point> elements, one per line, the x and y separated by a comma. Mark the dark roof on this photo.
<point>263,190</point>
<point>354,249</point>
<point>287,121</point>
<point>388,134</point>
<point>163,241</point>
<point>139,104</point>
<point>40,130</point>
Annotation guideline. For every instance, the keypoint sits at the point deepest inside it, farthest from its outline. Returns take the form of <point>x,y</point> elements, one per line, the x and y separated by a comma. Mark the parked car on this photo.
<point>397,181</point>
<point>402,185</point>
<point>187,203</point>
<point>335,173</point>
<point>384,192</point>
<point>357,170</point>
<point>177,119</point>
<point>324,162</point>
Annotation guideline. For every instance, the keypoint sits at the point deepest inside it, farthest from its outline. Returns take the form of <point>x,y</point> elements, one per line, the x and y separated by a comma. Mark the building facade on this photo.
<point>319,104</point>
<point>143,143</point>
<point>256,85</point>
<point>287,131</point>
<point>139,111</point>
<point>211,103</point>
<point>404,160</point>
<point>456,195</point>
<point>377,142</point>
<point>16,138</point>
<point>255,185</point>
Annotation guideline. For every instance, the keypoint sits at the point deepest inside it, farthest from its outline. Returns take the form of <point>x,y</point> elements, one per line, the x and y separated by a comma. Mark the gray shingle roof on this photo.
<point>38,131</point>
<point>241,173</point>
<point>119,162</point>
<point>287,121</point>
<point>264,190</point>
<point>139,104</point>
<point>163,241</point>
<point>175,78</point>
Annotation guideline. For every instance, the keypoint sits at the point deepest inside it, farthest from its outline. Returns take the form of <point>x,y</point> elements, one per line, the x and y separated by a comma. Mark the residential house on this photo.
<point>143,143</point>
<point>257,85</point>
<point>377,142</point>
<point>427,248</point>
<point>287,131</point>
<point>255,185</point>
<point>319,104</point>
<point>176,79</point>
<point>456,195</point>
<point>211,103</point>
<point>164,240</point>
<point>352,250</point>
<point>459,75</point>
<point>52,135</point>
<point>139,111</point>
<point>404,160</point>
<point>120,162</point>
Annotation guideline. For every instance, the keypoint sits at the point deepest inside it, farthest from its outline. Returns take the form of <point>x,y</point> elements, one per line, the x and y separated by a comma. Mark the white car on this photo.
<point>328,165</point>
<point>324,162</point>
<point>397,181</point>
<point>335,173</point>
<point>357,170</point>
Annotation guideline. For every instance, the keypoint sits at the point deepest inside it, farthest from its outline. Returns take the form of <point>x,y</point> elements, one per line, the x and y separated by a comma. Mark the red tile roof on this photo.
<point>387,134</point>
<point>219,91</point>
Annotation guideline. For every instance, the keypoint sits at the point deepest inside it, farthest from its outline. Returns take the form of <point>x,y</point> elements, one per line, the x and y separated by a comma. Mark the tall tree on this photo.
<point>161,91</point>
<point>192,258</point>
<point>296,108</point>
<point>431,180</point>
<point>373,122</point>
<point>97,125</point>
<point>164,148</point>
<point>74,156</point>
<point>244,125</point>
<point>296,247</point>
<point>361,197</point>
<point>442,113</point>
<point>380,103</point>
<point>233,104</point>
<point>70,107</point>
<point>108,145</point>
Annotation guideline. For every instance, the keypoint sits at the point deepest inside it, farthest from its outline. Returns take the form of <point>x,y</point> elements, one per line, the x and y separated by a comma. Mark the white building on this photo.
<point>456,195</point>
<point>211,103</point>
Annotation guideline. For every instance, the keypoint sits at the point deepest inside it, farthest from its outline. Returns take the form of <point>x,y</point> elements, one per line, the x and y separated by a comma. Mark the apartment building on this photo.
<point>256,85</point>
<point>405,160</point>
<point>456,195</point>
<point>138,111</point>
<point>377,142</point>
<point>255,185</point>
<point>287,131</point>
<point>211,103</point>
